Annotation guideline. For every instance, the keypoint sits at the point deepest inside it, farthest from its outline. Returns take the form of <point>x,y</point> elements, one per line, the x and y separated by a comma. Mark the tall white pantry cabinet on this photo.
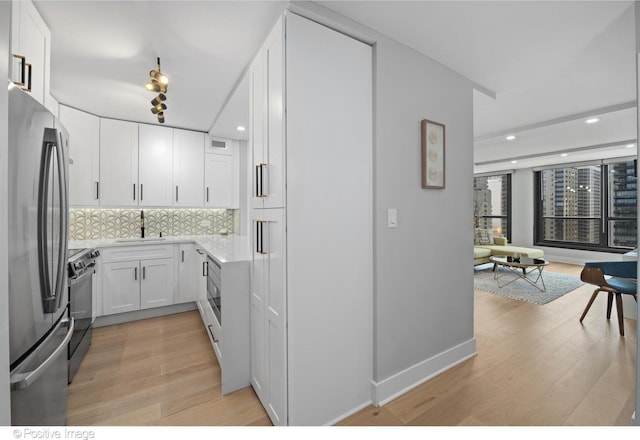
<point>312,271</point>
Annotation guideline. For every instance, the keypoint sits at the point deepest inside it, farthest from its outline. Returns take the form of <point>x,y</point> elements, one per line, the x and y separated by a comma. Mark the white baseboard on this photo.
<point>120,318</point>
<point>388,389</point>
<point>349,413</point>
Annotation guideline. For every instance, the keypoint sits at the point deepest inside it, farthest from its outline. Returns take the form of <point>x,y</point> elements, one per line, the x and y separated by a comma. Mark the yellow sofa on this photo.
<point>500,247</point>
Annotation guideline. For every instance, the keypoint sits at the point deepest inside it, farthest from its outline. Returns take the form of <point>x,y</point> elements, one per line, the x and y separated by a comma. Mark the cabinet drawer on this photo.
<point>128,253</point>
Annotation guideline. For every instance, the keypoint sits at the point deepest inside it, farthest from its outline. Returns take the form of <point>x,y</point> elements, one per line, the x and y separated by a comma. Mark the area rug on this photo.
<point>557,285</point>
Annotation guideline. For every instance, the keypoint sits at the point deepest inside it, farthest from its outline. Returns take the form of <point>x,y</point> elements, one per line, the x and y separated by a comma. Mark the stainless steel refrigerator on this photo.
<point>39,322</point>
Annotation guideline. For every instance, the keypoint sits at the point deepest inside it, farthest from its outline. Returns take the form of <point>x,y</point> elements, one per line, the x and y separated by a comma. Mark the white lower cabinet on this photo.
<point>229,334</point>
<point>191,276</point>
<point>122,287</point>
<point>268,310</point>
<point>136,278</point>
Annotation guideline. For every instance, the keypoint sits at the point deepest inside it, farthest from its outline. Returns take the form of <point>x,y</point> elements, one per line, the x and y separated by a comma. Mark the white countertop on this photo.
<point>223,248</point>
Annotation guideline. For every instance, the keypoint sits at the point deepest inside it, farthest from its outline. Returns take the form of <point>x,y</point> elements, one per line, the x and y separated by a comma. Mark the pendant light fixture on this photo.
<point>158,83</point>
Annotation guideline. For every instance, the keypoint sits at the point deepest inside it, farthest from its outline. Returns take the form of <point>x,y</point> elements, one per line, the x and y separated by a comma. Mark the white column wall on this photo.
<point>5,402</point>
<point>423,277</point>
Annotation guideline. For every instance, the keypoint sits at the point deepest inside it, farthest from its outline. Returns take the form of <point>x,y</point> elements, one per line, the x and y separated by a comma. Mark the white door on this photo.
<point>84,156</point>
<point>155,175</point>
<point>218,181</point>
<point>188,168</point>
<point>156,285</point>
<point>118,163</point>
<point>121,287</point>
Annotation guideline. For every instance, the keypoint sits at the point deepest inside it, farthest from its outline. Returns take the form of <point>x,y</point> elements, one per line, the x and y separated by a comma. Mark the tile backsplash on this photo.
<point>88,224</point>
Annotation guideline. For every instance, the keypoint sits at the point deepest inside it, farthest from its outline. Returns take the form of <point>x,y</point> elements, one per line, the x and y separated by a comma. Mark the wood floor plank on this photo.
<point>535,366</point>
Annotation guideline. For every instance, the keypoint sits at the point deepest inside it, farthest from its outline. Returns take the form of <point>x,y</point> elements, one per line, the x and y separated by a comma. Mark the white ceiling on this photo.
<point>102,52</point>
<point>541,67</point>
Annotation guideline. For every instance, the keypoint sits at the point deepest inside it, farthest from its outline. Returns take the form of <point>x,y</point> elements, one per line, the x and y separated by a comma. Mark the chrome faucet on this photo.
<point>142,224</point>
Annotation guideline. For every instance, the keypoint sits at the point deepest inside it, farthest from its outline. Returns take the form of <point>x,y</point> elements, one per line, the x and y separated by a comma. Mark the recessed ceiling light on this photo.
<point>510,137</point>
<point>514,161</point>
<point>631,145</point>
<point>240,128</point>
<point>592,120</point>
<point>564,154</point>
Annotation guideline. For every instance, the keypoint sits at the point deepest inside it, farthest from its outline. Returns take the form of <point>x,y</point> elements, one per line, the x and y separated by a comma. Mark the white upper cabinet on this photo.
<point>31,52</point>
<point>267,123</point>
<point>118,163</point>
<point>155,165</point>
<point>219,181</point>
<point>188,168</point>
<point>222,176</point>
<point>84,154</point>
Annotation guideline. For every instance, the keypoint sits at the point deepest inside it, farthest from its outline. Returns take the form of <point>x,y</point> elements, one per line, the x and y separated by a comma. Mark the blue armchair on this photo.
<point>617,278</point>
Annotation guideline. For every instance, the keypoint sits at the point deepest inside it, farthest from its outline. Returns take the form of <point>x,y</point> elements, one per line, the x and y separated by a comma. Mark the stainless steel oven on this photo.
<point>81,267</point>
<point>214,292</point>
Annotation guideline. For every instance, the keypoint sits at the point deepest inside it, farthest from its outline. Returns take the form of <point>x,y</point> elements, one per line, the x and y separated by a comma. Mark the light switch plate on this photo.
<point>392,218</point>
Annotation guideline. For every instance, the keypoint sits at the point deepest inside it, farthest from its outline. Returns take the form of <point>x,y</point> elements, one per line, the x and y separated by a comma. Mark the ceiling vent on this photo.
<point>218,144</point>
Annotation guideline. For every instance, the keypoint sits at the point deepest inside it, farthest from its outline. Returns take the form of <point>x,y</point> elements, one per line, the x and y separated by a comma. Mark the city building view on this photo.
<point>491,204</point>
<point>579,206</point>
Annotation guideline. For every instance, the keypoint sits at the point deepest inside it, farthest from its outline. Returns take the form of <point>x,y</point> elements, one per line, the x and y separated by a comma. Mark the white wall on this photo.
<point>5,404</point>
<point>424,292</point>
<point>423,277</point>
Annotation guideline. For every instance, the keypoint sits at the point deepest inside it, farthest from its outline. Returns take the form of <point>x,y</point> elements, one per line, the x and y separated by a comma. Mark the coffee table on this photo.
<point>518,269</point>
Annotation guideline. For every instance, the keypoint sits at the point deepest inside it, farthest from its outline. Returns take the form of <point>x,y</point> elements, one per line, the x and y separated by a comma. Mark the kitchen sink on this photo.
<point>140,240</point>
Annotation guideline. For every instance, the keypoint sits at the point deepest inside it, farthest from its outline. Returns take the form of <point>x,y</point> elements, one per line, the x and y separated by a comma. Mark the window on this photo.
<point>591,207</point>
<point>492,204</point>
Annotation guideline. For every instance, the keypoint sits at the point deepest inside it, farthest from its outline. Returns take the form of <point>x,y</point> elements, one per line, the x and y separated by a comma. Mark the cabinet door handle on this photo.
<point>144,272</point>
<point>134,191</point>
<point>141,193</point>
<point>258,180</point>
<point>176,193</point>
<point>135,273</point>
<point>23,63</point>
<point>183,256</point>
<point>204,269</point>
<point>260,237</point>
<point>97,190</point>
<point>207,194</point>
<point>257,236</point>
<point>28,88</point>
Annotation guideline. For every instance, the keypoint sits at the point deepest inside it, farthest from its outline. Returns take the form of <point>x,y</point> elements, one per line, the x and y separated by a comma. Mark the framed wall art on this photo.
<point>433,150</point>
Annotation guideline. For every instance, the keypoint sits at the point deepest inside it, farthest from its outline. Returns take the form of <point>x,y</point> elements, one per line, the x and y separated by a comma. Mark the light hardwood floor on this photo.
<point>536,366</point>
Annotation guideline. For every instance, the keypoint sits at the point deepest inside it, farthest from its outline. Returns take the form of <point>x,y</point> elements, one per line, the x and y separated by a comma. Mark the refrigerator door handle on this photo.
<point>64,220</point>
<point>21,381</point>
<point>48,296</point>
<point>52,296</point>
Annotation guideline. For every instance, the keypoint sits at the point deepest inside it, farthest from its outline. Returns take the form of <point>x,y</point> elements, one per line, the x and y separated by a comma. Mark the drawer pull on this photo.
<point>212,336</point>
